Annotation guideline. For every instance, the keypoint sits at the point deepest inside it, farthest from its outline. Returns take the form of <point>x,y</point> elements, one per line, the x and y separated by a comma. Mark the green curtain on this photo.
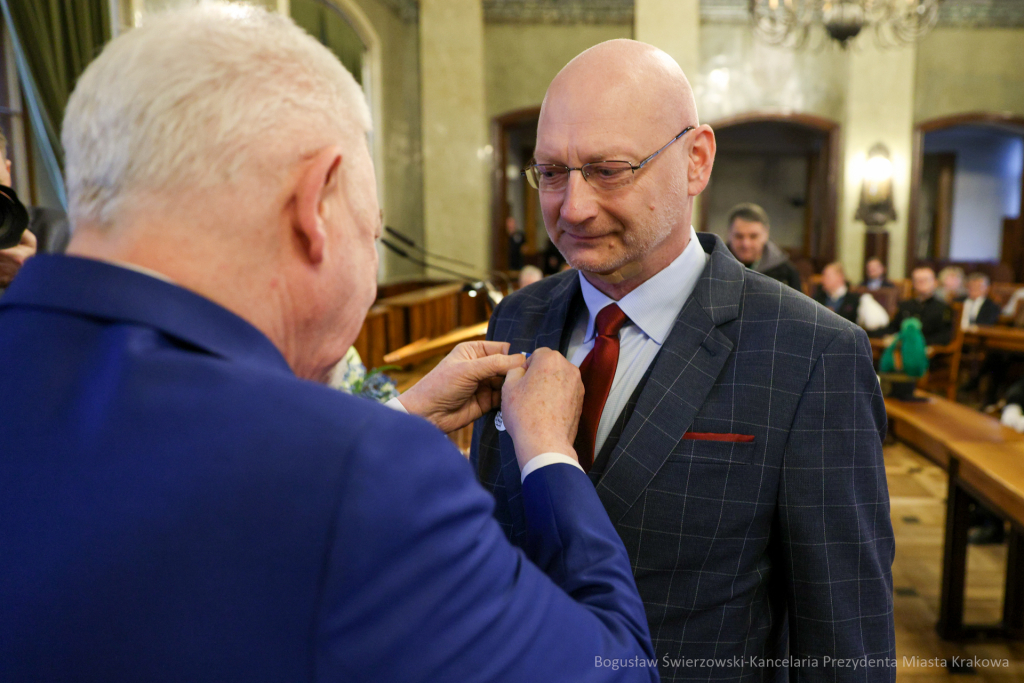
<point>325,22</point>
<point>55,40</point>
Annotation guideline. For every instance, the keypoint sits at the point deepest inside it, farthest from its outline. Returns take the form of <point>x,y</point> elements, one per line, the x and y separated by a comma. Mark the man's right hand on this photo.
<point>541,405</point>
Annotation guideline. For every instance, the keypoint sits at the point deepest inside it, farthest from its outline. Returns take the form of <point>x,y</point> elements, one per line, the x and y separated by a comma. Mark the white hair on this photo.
<point>192,98</point>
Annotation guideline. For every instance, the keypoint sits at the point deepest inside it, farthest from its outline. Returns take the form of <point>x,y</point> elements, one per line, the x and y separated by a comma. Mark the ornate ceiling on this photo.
<point>979,13</point>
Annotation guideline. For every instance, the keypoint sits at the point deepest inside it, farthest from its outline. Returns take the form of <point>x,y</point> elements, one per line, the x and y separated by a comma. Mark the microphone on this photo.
<point>472,285</point>
<point>407,240</point>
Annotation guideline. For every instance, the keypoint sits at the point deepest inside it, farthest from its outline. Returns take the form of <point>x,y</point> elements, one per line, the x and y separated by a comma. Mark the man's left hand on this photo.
<point>464,386</point>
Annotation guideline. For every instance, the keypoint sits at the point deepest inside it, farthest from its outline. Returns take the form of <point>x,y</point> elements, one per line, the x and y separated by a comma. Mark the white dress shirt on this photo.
<point>652,309</point>
<point>972,307</point>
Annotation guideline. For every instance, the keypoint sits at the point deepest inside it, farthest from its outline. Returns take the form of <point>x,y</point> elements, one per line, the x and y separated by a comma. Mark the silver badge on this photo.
<point>498,422</point>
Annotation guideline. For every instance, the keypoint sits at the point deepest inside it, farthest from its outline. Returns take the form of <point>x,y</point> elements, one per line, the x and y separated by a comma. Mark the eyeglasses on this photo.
<point>603,175</point>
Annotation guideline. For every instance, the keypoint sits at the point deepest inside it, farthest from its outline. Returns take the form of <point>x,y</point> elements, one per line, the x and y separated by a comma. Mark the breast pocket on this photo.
<point>722,449</point>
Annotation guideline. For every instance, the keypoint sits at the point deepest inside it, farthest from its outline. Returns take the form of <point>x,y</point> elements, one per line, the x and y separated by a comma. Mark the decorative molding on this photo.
<point>963,13</point>
<point>558,11</point>
<point>955,13</point>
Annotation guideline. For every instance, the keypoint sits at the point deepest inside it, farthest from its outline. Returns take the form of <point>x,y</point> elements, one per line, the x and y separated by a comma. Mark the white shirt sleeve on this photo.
<point>871,315</point>
<point>542,460</point>
<point>395,404</point>
<point>545,459</point>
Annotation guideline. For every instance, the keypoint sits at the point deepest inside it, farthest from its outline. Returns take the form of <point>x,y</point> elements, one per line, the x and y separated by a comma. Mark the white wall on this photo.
<point>986,187</point>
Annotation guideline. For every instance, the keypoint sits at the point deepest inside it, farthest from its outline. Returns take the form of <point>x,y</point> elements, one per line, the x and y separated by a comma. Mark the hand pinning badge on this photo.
<point>499,424</point>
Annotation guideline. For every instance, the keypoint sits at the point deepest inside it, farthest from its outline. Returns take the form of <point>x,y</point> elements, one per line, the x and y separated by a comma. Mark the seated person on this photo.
<point>1016,301</point>
<point>861,309</point>
<point>935,315</point>
<point>875,276</point>
<point>978,308</point>
<point>951,285</point>
<point>528,275</point>
<point>749,243</point>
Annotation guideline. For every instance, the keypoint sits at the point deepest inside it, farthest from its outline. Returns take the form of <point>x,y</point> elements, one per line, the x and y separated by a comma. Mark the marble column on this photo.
<point>879,108</point>
<point>456,153</point>
<point>673,26</point>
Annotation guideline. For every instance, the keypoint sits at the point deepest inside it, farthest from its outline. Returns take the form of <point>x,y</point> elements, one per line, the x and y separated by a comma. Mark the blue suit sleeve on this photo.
<point>420,584</point>
<point>836,533</point>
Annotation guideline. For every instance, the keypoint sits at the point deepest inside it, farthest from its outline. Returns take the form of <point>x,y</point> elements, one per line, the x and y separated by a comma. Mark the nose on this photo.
<point>579,202</point>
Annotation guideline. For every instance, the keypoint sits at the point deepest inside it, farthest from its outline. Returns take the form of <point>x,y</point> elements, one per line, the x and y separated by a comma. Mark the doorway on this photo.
<point>787,163</point>
<point>967,194</point>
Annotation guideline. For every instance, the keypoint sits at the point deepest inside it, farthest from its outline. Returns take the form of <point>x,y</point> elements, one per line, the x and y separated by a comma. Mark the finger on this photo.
<point>480,349</point>
<point>514,376</point>
<point>492,366</point>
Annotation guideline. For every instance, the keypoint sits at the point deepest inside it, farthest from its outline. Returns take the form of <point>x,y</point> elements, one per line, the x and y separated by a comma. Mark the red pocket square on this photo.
<point>712,436</point>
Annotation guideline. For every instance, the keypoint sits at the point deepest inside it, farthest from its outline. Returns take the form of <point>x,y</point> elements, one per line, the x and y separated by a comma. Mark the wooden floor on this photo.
<point>917,490</point>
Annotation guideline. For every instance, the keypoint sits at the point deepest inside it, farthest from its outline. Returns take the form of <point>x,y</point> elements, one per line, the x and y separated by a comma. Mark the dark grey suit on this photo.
<point>741,551</point>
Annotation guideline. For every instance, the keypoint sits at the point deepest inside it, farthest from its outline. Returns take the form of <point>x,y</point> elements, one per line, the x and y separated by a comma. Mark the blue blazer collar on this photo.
<point>90,288</point>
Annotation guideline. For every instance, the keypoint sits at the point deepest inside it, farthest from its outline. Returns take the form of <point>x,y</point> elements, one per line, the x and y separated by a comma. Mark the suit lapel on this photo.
<point>549,334</point>
<point>684,373</point>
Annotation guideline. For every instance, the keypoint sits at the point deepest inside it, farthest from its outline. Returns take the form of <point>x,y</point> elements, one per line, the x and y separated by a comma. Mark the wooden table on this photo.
<point>997,337</point>
<point>993,474</point>
<point>931,425</point>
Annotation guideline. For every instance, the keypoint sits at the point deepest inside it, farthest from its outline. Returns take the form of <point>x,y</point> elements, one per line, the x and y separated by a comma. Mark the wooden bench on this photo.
<point>930,426</point>
<point>992,474</point>
<point>985,462</point>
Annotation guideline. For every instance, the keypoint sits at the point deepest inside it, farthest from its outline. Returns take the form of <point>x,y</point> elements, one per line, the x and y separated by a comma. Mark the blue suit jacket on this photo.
<point>777,543</point>
<point>177,506</point>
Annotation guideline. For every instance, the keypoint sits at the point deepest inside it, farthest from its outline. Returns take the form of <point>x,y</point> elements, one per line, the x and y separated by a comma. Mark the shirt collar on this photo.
<point>655,304</point>
<point>840,293</point>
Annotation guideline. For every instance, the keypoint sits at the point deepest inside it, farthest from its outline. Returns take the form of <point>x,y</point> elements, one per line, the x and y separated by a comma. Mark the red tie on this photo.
<point>598,371</point>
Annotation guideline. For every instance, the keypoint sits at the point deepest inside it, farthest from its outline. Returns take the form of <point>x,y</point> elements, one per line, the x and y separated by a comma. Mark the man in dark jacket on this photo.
<point>749,243</point>
<point>859,308</point>
<point>978,308</point>
<point>936,316</point>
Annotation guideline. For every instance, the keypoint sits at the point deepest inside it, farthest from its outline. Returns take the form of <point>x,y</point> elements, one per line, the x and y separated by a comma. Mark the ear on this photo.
<point>317,183</point>
<point>702,158</point>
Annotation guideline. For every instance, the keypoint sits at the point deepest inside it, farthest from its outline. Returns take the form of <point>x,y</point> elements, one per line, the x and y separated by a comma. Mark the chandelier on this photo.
<point>793,22</point>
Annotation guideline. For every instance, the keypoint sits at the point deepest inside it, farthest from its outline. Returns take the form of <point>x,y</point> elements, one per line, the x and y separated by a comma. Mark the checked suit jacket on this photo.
<point>775,544</point>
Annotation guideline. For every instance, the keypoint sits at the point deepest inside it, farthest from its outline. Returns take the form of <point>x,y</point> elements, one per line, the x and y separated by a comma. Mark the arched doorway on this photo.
<point>513,137</point>
<point>967,191</point>
<point>787,163</point>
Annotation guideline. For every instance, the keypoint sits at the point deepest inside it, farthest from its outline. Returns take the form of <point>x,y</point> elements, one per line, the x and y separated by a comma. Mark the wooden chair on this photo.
<point>943,374</point>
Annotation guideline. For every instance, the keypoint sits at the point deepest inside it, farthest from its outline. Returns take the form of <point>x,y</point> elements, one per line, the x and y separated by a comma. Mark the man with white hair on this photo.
<point>180,502</point>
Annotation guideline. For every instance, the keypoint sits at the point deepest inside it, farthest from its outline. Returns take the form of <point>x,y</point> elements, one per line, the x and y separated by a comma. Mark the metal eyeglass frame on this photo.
<point>569,169</point>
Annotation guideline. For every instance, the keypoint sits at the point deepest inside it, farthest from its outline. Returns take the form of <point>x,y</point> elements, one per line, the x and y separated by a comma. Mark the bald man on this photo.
<point>732,427</point>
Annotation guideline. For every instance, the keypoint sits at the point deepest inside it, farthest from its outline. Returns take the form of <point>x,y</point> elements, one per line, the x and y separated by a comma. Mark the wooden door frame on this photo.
<point>833,149</point>
<point>500,126</point>
<point>917,163</point>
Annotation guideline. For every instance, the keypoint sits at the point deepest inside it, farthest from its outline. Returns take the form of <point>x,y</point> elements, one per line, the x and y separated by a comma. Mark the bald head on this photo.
<point>623,102</point>
<point>624,79</point>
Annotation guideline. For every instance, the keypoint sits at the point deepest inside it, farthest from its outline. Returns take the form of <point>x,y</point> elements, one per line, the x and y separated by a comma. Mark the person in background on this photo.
<point>835,295</point>
<point>875,275</point>
<point>1010,310</point>
<point>935,314</point>
<point>978,308</point>
<point>750,244</point>
<point>528,275</point>
<point>515,243</point>
<point>951,285</point>
<point>47,229</point>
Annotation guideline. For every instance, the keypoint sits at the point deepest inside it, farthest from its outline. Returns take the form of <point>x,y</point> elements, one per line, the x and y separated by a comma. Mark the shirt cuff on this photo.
<point>395,404</point>
<point>545,459</point>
